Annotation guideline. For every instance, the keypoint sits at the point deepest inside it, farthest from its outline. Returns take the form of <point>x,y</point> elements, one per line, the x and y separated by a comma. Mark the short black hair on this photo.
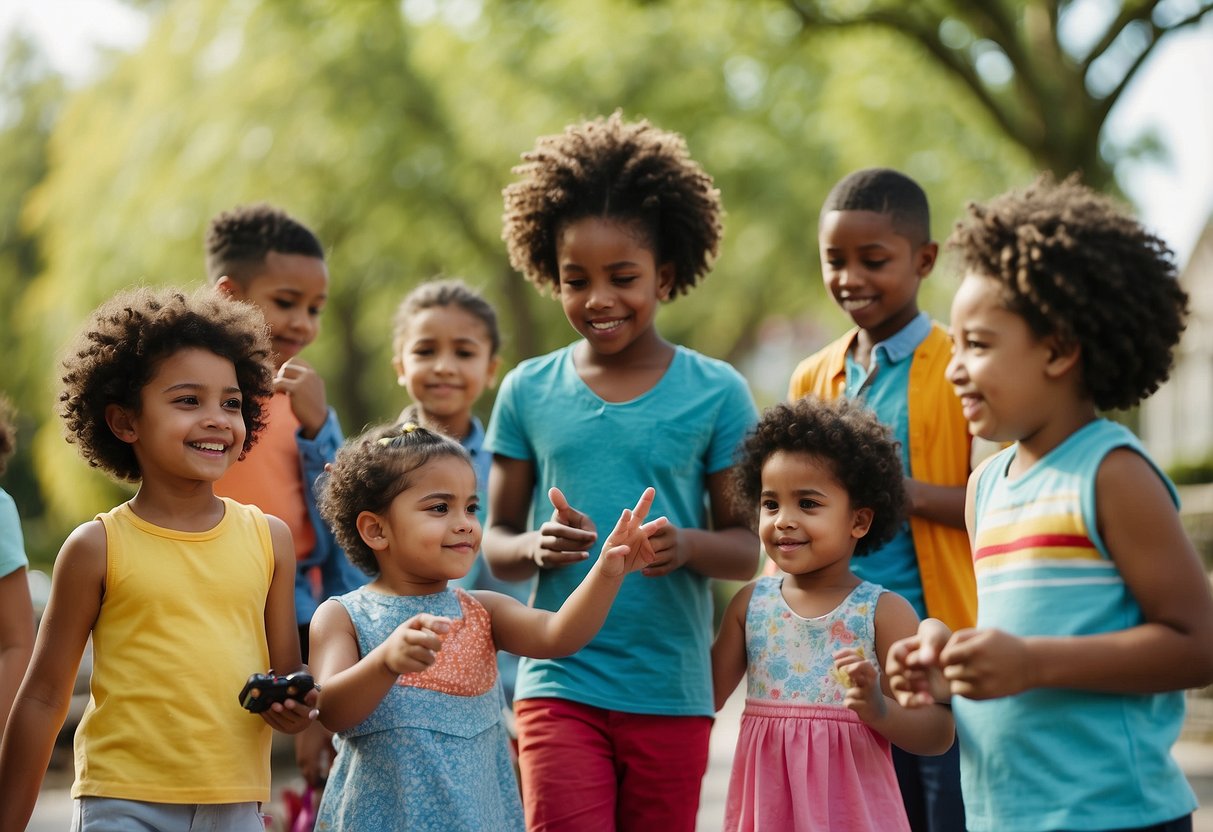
<point>238,241</point>
<point>844,436</point>
<point>631,172</point>
<point>117,353</point>
<point>369,472</point>
<point>884,191</point>
<point>1074,265</point>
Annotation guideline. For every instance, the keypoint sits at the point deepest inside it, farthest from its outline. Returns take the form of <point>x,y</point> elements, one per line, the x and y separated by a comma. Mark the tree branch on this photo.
<point>1129,13</point>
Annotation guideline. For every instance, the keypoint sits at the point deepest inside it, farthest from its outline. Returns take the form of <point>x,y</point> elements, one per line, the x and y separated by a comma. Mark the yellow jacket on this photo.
<point>939,454</point>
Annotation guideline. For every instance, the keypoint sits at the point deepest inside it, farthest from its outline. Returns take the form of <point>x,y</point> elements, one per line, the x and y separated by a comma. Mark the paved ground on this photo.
<point>54,806</point>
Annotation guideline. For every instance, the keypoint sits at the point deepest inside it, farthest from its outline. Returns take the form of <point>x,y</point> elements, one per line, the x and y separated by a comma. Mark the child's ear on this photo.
<point>370,529</point>
<point>226,286</point>
<point>861,521</point>
<point>666,273</point>
<point>1063,356</point>
<point>494,365</point>
<point>398,366</point>
<point>118,418</point>
<point>925,257</point>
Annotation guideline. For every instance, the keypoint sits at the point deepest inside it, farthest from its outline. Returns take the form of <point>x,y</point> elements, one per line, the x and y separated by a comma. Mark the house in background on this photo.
<point>1177,421</point>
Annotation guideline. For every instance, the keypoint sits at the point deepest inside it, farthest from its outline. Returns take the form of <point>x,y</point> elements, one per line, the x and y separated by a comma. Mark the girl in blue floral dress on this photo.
<point>813,751</point>
<point>407,664</point>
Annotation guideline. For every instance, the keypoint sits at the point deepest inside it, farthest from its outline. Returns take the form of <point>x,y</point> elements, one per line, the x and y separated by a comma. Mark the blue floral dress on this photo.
<point>434,754</point>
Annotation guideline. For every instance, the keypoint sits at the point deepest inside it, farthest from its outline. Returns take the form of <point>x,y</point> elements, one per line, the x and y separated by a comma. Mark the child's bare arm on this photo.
<point>543,634</point>
<point>352,685</point>
<point>282,633</point>
<point>728,650</point>
<point>920,730</point>
<point>43,699</point>
<point>16,637</point>
<point>728,550</point>
<point>1171,650</point>
<point>513,552</point>
<point>943,504</point>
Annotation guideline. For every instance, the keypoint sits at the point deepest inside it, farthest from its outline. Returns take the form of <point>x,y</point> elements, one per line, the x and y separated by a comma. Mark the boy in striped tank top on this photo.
<point>1094,612</point>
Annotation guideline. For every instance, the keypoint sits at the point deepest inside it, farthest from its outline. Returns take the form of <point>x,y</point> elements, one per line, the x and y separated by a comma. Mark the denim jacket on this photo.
<point>338,576</point>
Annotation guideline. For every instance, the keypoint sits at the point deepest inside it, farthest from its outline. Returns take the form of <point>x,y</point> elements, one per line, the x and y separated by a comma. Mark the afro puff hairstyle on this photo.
<point>369,472</point>
<point>238,241</point>
<point>841,435</point>
<point>611,169</point>
<point>1075,267</point>
<point>121,345</point>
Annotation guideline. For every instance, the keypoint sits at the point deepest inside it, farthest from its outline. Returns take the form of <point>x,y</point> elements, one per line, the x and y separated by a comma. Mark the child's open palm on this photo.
<point>414,645</point>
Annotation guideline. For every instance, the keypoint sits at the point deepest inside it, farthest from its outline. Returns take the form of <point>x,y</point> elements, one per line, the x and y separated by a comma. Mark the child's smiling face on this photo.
<point>610,282</point>
<point>999,367</point>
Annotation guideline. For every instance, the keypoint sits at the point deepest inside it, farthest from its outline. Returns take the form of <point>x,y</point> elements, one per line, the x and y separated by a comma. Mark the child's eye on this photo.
<point>315,311</point>
<point>232,404</point>
<point>440,508</point>
<point>624,279</point>
<point>283,303</point>
<point>836,262</point>
<point>769,505</point>
<point>474,508</point>
<point>574,282</point>
<point>423,351</point>
<point>874,264</point>
<point>189,401</point>
<point>809,505</point>
<point>465,354</point>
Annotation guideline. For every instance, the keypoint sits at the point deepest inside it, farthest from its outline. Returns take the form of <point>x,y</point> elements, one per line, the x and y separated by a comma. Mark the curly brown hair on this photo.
<point>8,432</point>
<point>369,472</point>
<point>842,435</point>
<point>627,171</point>
<point>123,342</point>
<point>1074,266</point>
<point>443,293</point>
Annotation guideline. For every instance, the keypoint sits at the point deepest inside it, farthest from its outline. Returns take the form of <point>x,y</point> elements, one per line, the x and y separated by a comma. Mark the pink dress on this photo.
<point>804,761</point>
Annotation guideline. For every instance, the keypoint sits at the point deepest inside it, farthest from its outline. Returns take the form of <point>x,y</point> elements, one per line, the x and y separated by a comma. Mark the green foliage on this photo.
<point>391,130</point>
<point>1192,472</point>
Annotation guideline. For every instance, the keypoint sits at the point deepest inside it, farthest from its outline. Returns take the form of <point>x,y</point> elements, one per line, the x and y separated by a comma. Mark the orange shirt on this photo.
<point>270,477</point>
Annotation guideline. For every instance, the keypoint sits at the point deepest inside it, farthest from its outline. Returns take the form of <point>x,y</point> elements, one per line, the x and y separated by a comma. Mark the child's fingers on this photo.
<point>654,526</point>
<point>558,501</point>
<point>644,503</point>
<point>424,621</point>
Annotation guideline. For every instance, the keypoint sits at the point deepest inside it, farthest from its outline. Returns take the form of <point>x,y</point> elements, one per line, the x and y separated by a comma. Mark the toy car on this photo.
<point>264,689</point>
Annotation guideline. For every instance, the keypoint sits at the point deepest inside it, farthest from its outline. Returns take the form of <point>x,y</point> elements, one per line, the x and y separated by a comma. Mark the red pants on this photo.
<point>587,769</point>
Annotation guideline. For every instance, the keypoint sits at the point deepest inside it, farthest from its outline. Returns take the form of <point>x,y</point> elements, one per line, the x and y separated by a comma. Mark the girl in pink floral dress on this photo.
<point>813,753</point>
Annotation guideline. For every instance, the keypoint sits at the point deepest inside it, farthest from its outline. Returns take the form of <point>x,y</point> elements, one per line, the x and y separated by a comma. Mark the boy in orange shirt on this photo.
<point>875,243</point>
<point>259,254</point>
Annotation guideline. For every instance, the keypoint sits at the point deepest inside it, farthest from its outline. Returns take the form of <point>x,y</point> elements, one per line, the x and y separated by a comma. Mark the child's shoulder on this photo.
<point>705,366</point>
<point>551,363</point>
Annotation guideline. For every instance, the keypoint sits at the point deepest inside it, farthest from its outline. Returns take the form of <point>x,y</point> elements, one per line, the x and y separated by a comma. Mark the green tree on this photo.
<point>391,129</point>
<point>1048,85</point>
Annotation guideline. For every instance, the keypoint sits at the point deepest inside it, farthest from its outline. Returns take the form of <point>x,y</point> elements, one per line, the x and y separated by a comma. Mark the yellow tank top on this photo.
<point>181,627</point>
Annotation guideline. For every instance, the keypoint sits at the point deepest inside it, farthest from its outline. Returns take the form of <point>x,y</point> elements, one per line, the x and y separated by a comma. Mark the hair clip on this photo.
<point>405,429</point>
<point>408,427</point>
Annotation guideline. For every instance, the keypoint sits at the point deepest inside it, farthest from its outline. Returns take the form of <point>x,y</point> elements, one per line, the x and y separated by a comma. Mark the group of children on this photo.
<point>900,674</point>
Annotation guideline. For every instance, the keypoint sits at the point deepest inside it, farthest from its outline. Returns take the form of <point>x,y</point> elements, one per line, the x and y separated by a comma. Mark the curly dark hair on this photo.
<point>846,437</point>
<point>123,342</point>
<point>627,171</point>
<point>369,472</point>
<point>237,241</point>
<point>1076,267</point>
<point>443,293</point>
<point>8,432</point>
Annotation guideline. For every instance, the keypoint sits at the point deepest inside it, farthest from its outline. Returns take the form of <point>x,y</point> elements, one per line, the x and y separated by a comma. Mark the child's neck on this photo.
<point>814,594</point>
<point>183,509</point>
<point>1050,434</point>
<point>628,374</point>
<point>393,581</point>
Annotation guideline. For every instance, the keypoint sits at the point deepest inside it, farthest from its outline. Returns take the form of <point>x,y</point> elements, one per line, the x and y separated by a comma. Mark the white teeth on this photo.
<point>605,325</point>
<point>851,304</point>
<point>210,446</point>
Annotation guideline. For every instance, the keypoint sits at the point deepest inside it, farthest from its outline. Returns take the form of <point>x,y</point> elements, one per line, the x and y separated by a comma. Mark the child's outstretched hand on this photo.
<point>629,546</point>
<point>567,537</point>
<point>914,667</point>
<point>857,673</point>
<point>414,645</point>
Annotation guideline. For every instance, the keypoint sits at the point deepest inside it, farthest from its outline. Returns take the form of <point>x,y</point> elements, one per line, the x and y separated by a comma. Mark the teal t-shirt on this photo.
<point>12,543</point>
<point>885,389</point>
<point>652,654</point>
